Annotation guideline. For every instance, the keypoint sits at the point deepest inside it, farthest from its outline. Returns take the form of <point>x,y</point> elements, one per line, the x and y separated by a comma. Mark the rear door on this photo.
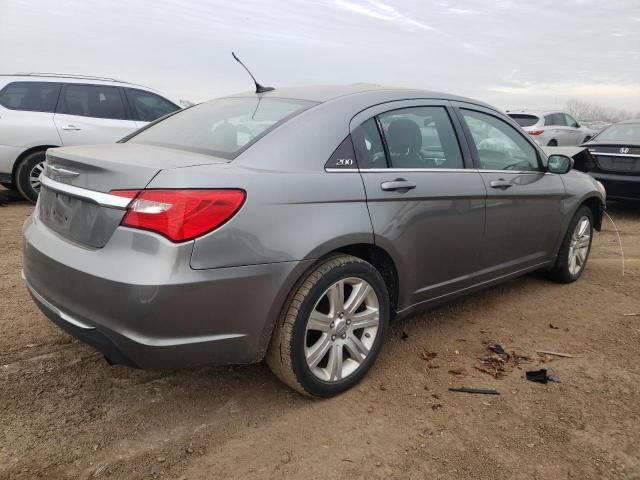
<point>556,128</point>
<point>426,206</point>
<point>146,106</point>
<point>88,114</point>
<point>524,202</point>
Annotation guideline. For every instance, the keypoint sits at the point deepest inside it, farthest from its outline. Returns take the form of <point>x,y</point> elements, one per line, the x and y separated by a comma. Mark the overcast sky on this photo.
<point>511,53</point>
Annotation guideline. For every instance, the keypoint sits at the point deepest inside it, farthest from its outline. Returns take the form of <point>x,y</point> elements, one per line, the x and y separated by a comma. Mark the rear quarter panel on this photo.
<point>294,210</point>
<point>287,216</point>
<point>27,129</point>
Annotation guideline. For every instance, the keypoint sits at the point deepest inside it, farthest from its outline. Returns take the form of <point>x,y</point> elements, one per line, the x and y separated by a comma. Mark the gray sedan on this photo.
<point>294,225</point>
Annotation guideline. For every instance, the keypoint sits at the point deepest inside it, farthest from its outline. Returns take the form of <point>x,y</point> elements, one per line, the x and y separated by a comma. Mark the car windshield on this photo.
<point>223,127</point>
<point>524,120</point>
<point>622,133</point>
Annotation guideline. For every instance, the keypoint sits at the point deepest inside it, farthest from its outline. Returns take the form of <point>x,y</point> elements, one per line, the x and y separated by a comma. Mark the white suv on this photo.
<point>552,128</point>
<point>40,111</point>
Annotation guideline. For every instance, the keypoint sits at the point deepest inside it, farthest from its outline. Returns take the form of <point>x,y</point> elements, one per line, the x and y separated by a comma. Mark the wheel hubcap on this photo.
<point>34,176</point>
<point>579,245</point>
<point>342,329</point>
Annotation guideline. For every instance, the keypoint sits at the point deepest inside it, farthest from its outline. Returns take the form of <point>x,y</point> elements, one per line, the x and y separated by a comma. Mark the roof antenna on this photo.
<point>259,88</point>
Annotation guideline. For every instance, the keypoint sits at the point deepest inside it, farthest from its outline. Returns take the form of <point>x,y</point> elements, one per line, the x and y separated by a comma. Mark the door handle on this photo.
<point>500,183</point>
<point>397,184</point>
<point>71,127</point>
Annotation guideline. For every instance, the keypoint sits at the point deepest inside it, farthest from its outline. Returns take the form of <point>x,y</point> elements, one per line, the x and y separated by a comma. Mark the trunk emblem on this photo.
<point>624,150</point>
<point>53,171</point>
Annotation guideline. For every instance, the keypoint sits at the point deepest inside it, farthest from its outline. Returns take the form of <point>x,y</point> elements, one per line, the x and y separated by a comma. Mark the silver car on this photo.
<point>552,128</point>
<point>294,225</point>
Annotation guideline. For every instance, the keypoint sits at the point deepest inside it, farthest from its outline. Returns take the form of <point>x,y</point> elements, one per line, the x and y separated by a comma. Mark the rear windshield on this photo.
<point>223,127</point>
<point>524,120</point>
<point>621,133</point>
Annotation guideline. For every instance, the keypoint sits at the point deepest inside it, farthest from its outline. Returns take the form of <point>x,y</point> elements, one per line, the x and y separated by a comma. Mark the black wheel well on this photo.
<point>24,154</point>
<point>597,207</point>
<point>382,261</point>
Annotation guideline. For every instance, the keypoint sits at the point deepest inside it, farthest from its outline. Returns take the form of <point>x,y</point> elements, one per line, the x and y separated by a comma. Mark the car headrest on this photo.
<point>224,137</point>
<point>404,136</point>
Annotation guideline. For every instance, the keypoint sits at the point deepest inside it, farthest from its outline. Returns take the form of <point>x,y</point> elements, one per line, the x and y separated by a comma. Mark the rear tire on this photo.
<point>28,171</point>
<point>326,341</point>
<point>576,246</point>
<point>552,143</point>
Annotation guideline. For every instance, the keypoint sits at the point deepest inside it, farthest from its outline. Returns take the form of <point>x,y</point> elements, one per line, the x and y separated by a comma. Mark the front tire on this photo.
<point>28,173</point>
<point>332,328</point>
<point>575,249</point>
<point>552,143</point>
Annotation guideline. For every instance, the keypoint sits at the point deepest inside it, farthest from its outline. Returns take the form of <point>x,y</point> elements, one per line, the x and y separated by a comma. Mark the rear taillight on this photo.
<point>180,215</point>
<point>535,132</point>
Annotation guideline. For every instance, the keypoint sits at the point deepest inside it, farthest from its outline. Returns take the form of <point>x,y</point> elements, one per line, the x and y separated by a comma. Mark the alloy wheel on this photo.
<point>34,176</point>
<point>579,245</point>
<point>342,329</point>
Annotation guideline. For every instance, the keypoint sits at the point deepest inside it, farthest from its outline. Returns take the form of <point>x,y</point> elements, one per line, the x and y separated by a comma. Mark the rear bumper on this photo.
<point>622,187</point>
<point>154,311</point>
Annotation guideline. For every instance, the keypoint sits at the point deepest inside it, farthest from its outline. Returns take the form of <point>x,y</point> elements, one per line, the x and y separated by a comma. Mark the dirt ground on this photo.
<point>65,413</point>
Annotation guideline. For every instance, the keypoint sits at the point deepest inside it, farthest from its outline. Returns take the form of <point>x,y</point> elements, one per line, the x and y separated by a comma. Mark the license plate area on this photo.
<point>78,220</point>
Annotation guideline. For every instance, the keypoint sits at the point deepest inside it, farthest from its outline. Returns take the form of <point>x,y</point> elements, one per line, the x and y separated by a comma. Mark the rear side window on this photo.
<point>30,96</point>
<point>147,106</point>
<point>368,145</point>
<point>524,120</point>
<point>556,119</point>
<point>223,127</point>
<point>98,101</point>
<point>421,137</point>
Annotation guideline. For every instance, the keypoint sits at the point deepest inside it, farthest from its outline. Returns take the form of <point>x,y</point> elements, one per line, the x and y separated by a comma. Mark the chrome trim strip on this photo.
<point>434,170</point>
<point>60,171</point>
<point>66,317</point>
<point>605,154</point>
<point>399,170</point>
<point>104,199</point>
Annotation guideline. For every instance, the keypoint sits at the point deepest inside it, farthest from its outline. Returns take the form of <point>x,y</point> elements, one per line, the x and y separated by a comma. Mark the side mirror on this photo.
<point>559,164</point>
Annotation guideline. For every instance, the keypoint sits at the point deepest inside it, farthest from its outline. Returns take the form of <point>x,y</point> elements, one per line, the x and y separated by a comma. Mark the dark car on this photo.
<point>616,159</point>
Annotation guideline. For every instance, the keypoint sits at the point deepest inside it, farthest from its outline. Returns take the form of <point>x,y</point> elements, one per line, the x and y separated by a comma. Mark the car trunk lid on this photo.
<point>74,199</point>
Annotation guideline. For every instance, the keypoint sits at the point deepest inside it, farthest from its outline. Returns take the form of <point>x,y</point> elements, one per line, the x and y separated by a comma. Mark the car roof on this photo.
<point>70,78</point>
<point>374,93</point>
<point>538,113</point>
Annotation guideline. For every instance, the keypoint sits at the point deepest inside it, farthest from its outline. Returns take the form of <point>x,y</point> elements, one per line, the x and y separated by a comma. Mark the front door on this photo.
<point>426,207</point>
<point>88,114</point>
<point>524,202</point>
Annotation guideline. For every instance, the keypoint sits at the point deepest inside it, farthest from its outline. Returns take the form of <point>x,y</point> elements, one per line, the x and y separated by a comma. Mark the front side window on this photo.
<point>148,106</point>
<point>499,145</point>
<point>98,101</point>
<point>30,96</point>
<point>570,121</point>
<point>421,137</point>
<point>223,127</point>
